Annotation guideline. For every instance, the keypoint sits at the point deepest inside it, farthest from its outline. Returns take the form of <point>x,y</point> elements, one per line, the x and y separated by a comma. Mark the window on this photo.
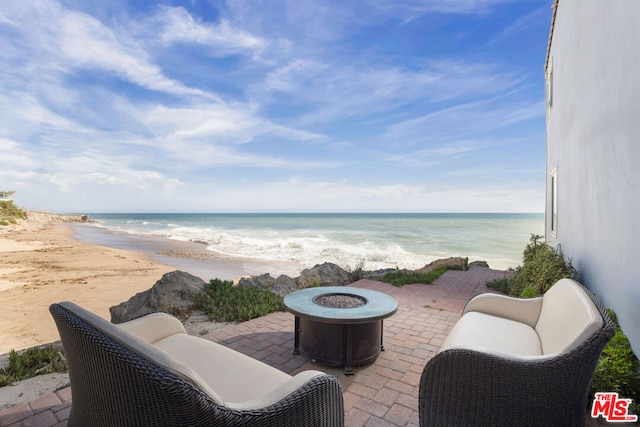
<point>554,202</point>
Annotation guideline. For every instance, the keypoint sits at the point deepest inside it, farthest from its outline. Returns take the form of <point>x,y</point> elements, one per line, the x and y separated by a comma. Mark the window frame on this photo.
<point>554,202</point>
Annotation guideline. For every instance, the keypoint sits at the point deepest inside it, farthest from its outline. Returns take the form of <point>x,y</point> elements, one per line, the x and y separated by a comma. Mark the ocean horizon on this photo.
<point>286,243</point>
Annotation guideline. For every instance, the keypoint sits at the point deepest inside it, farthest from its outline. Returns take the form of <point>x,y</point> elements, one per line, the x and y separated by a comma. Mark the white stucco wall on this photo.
<point>593,138</point>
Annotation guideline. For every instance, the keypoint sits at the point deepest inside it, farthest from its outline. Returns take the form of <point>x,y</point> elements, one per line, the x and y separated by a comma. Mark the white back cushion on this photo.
<point>143,348</point>
<point>567,318</point>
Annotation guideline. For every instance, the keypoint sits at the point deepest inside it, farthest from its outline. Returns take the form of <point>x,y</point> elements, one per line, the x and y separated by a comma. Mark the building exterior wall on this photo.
<point>593,144</point>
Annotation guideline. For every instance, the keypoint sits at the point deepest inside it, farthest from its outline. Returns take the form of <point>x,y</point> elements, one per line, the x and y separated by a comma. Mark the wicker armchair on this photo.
<point>118,379</point>
<point>477,379</point>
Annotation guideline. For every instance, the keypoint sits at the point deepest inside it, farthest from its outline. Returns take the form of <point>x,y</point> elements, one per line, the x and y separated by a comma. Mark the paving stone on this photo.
<point>44,403</point>
<point>372,407</point>
<point>15,414</point>
<point>399,415</point>
<point>378,422</point>
<point>62,414</point>
<point>356,418</point>
<point>41,419</point>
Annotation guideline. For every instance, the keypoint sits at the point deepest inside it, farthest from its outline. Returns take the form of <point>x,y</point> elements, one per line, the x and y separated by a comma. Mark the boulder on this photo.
<point>482,264</point>
<point>282,286</point>
<point>457,263</point>
<point>169,294</point>
<point>264,281</point>
<point>327,274</point>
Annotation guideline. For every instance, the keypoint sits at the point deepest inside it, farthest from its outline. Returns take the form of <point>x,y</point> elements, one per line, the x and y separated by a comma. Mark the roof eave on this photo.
<point>553,23</point>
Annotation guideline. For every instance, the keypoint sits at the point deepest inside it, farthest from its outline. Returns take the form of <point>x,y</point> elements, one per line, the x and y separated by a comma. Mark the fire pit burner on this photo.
<point>339,325</point>
<point>340,300</point>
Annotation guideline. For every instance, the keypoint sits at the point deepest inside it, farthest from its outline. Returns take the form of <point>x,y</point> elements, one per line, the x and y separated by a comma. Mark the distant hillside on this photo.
<point>9,213</point>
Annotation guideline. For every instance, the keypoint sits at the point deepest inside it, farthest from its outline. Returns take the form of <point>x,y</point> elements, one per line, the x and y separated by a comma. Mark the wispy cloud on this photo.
<point>533,19</point>
<point>88,44</point>
<point>342,91</point>
<point>448,6</point>
<point>462,121</point>
<point>142,100</point>
<point>220,39</point>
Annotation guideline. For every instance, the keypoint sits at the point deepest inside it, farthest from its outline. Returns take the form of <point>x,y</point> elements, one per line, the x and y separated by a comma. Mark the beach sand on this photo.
<point>42,263</point>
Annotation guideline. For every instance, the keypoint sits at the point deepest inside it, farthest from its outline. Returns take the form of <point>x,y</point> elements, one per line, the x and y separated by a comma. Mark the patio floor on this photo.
<point>384,393</point>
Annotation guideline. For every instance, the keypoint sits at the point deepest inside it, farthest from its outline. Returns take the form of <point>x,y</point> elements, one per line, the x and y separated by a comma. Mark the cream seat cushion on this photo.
<point>234,376</point>
<point>485,332</point>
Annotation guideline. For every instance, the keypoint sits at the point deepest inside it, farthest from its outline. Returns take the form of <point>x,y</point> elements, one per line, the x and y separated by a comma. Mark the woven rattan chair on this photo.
<point>120,381</point>
<point>475,385</point>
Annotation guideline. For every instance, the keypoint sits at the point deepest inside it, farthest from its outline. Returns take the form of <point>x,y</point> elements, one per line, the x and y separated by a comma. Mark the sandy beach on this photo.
<point>42,263</point>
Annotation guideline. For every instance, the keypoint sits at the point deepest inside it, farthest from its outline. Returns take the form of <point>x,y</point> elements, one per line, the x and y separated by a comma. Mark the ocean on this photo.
<point>287,243</point>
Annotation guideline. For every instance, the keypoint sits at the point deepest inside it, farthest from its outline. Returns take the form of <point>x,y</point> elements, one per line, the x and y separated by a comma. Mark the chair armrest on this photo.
<point>522,310</point>
<point>311,398</point>
<point>278,393</point>
<point>153,327</point>
<point>468,387</point>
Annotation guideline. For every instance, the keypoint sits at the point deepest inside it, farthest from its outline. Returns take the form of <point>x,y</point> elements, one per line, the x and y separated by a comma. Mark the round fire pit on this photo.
<point>339,326</point>
<point>340,300</point>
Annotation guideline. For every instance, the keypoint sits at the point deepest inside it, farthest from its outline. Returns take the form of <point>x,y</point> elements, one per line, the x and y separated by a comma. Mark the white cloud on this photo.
<point>87,43</point>
<point>298,194</point>
<point>36,114</point>
<point>15,157</point>
<point>414,8</point>
<point>529,20</point>
<point>463,121</point>
<point>221,38</point>
<point>340,91</point>
<point>216,122</point>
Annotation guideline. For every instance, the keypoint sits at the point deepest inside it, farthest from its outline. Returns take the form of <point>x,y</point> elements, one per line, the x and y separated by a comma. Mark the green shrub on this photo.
<point>399,278</point>
<point>32,362</point>
<point>618,369</point>
<point>541,267</point>
<point>9,213</point>
<point>501,285</point>
<point>223,301</point>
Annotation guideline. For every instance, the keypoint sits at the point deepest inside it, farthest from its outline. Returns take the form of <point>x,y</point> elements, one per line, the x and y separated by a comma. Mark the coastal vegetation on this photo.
<point>402,277</point>
<point>10,213</point>
<point>222,301</point>
<point>618,368</point>
<point>542,266</point>
<point>32,362</point>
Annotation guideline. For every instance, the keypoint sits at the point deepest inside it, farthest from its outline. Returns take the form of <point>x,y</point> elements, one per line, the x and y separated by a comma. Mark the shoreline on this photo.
<point>189,256</point>
<point>43,263</point>
<point>50,258</point>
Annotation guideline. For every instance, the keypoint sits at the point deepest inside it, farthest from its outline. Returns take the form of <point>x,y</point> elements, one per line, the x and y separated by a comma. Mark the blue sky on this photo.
<point>274,105</point>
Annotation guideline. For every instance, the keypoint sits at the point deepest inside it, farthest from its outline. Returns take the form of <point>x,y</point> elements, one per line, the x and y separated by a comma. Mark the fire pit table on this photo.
<point>339,326</point>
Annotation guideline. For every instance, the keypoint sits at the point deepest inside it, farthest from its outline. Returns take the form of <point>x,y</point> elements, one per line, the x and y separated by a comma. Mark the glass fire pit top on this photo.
<point>377,305</point>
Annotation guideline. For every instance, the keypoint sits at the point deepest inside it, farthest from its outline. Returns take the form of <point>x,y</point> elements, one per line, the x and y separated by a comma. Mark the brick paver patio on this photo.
<point>384,393</point>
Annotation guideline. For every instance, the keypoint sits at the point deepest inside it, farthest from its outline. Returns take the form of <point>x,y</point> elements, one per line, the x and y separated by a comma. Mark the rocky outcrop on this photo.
<point>172,293</point>
<point>483,264</point>
<point>169,294</point>
<point>282,286</point>
<point>327,274</point>
<point>457,263</point>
